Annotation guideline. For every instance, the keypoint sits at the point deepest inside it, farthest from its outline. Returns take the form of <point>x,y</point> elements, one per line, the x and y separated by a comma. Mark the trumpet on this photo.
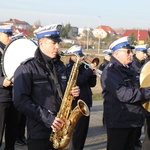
<point>88,60</point>
<point>91,59</point>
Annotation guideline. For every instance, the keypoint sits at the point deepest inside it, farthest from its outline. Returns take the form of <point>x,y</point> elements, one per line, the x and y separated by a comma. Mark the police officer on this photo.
<point>139,60</point>
<point>35,91</point>
<point>8,113</point>
<point>122,98</point>
<point>107,55</point>
<point>86,80</point>
<point>21,138</point>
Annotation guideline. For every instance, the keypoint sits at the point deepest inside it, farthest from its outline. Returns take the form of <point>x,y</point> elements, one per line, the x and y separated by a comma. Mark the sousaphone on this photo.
<point>145,82</point>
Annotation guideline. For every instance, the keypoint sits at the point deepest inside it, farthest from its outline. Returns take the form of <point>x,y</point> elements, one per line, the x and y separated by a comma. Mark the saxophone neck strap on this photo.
<point>55,79</point>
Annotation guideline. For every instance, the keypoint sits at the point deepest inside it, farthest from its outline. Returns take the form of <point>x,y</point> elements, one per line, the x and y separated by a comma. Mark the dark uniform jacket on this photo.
<point>5,92</point>
<point>103,65</point>
<point>37,96</point>
<point>122,98</point>
<point>137,64</point>
<point>86,79</point>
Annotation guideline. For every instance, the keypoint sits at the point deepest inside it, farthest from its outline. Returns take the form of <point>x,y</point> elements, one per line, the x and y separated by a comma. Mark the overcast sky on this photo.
<point>80,13</point>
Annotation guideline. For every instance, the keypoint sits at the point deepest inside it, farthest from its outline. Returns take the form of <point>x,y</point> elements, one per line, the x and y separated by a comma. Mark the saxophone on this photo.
<point>61,138</point>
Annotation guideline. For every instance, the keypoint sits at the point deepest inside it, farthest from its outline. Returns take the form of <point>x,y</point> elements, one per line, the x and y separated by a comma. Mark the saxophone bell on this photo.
<point>60,142</point>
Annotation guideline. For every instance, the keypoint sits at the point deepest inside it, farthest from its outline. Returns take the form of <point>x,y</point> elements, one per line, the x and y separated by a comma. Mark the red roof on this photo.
<point>105,28</point>
<point>22,31</point>
<point>142,33</point>
<point>16,21</point>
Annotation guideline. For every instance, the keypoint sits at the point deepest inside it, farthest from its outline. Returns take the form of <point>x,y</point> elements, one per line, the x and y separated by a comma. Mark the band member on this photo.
<point>139,60</point>
<point>86,79</point>
<point>36,92</point>
<point>107,55</point>
<point>8,113</point>
<point>21,138</point>
<point>122,98</point>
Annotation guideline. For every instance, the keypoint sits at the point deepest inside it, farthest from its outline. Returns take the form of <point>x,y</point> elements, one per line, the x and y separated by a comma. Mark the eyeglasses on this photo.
<point>128,51</point>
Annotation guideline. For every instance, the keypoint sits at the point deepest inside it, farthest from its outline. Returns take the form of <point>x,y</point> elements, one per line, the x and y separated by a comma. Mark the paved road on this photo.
<point>96,138</point>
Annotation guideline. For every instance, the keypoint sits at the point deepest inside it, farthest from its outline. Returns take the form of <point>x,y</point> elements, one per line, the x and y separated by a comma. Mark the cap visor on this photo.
<point>9,33</point>
<point>129,47</point>
<point>57,39</point>
<point>81,54</point>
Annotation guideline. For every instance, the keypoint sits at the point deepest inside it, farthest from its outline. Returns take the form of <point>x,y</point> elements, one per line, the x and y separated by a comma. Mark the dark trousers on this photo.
<point>79,134</point>
<point>121,138</point>
<point>21,126</point>
<point>8,122</point>
<point>37,144</point>
<point>138,135</point>
<point>146,141</point>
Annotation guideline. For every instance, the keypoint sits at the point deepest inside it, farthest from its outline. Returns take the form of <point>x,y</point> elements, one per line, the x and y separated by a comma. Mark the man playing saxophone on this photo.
<point>39,84</point>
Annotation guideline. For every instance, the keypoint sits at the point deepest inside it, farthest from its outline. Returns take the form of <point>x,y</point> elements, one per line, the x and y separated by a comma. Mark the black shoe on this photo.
<point>20,142</point>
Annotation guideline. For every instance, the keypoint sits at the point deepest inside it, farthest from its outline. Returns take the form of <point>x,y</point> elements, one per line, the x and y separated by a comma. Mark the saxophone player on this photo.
<point>39,84</point>
<point>86,79</point>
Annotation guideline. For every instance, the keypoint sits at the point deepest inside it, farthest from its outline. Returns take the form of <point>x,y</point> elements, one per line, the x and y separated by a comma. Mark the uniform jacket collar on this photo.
<point>42,58</point>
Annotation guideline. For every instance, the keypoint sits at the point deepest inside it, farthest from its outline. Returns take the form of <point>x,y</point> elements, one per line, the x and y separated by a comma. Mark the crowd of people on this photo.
<point>33,97</point>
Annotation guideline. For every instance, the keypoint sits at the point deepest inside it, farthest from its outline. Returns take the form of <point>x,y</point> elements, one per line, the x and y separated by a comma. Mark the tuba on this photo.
<point>62,138</point>
<point>145,82</point>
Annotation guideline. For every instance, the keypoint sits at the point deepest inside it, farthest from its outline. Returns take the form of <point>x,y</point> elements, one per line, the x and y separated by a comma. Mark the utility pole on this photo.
<point>99,40</point>
<point>87,34</point>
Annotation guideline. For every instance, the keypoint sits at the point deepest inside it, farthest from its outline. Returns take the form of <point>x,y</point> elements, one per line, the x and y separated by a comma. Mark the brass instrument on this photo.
<point>145,82</point>
<point>88,60</point>
<point>62,138</point>
<point>91,59</point>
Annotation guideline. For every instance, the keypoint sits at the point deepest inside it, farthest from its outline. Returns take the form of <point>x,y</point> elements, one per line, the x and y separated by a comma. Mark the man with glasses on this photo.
<point>122,97</point>
<point>8,113</point>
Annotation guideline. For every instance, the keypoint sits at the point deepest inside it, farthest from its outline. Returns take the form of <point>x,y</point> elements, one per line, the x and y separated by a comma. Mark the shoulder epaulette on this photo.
<point>27,60</point>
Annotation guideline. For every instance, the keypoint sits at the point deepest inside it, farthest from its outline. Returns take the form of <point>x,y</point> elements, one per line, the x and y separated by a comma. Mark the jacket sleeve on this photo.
<point>22,90</point>
<point>85,76</point>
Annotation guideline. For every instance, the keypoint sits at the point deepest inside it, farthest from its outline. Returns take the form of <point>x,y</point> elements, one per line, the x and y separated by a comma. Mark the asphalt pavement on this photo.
<point>96,138</point>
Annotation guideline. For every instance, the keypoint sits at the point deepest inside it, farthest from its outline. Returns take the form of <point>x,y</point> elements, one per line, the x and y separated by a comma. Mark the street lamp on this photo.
<point>87,44</point>
<point>99,40</point>
<point>87,34</point>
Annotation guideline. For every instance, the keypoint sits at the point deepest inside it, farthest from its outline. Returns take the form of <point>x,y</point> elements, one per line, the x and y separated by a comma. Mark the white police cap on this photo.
<point>76,49</point>
<point>121,43</point>
<point>143,48</point>
<point>49,31</point>
<point>8,29</point>
<point>107,51</point>
<point>18,35</point>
